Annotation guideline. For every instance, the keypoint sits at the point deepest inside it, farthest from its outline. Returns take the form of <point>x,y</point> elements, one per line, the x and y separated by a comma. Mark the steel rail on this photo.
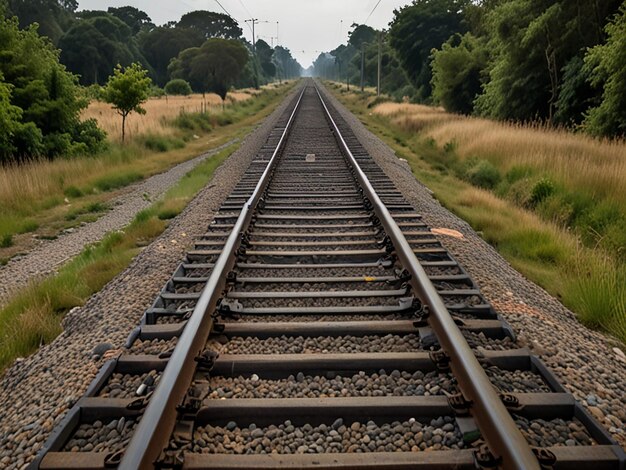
<point>157,423</point>
<point>495,423</point>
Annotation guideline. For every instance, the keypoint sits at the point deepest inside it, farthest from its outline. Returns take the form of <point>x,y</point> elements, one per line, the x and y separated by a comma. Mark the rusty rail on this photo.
<point>505,441</point>
<point>157,423</point>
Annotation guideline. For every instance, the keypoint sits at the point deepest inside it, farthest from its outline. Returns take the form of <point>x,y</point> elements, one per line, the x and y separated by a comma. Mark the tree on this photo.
<point>10,117</point>
<point>47,97</point>
<point>419,28</point>
<point>134,18</point>
<point>178,87</point>
<point>160,45</point>
<point>287,67</point>
<point>52,16</point>
<point>360,35</point>
<point>211,24</point>
<point>458,70</point>
<point>607,66</point>
<point>531,42</point>
<point>264,55</point>
<point>93,46</point>
<point>127,89</point>
<point>214,67</point>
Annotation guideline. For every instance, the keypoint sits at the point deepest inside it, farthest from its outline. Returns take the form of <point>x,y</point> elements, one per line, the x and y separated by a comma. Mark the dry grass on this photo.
<point>158,112</point>
<point>573,160</point>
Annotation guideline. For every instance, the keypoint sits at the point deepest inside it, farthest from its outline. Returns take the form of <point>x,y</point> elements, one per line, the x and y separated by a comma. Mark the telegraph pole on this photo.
<point>254,21</point>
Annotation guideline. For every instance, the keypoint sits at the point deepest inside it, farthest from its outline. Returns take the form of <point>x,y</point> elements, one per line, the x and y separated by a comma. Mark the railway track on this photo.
<point>318,323</point>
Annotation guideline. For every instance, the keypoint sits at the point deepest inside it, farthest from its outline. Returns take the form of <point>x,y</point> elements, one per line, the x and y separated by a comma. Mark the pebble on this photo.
<point>333,438</point>
<point>44,385</point>
<point>307,386</point>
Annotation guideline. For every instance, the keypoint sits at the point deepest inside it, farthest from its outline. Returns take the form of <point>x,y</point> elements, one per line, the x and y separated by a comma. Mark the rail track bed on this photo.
<point>318,323</point>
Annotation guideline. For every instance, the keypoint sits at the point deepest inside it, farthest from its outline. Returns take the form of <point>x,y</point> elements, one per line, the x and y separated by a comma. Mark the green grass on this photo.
<point>116,181</point>
<point>588,279</point>
<point>45,193</point>
<point>33,317</point>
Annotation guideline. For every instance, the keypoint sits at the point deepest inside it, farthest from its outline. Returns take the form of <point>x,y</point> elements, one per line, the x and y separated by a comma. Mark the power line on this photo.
<point>373,9</point>
<point>244,7</point>
<point>231,17</point>
<point>222,7</point>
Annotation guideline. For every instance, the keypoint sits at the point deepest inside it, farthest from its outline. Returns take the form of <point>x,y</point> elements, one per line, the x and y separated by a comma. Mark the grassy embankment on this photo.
<point>34,315</point>
<point>552,202</point>
<point>42,198</point>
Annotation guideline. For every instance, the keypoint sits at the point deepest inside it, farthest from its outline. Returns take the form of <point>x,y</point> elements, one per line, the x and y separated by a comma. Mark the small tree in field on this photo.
<point>213,67</point>
<point>127,89</point>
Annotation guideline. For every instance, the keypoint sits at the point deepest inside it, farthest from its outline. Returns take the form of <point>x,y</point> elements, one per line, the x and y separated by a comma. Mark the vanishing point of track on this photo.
<point>318,323</point>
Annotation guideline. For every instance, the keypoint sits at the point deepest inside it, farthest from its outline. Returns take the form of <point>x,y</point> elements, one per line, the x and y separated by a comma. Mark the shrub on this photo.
<point>72,191</point>
<point>178,87</point>
<point>519,172</point>
<point>483,174</point>
<point>160,143</point>
<point>193,122</point>
<point>6,240</point>
<point>542,189</point>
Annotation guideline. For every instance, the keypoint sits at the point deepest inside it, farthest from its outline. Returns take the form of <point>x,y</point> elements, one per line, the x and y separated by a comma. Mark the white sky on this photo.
<point>306,27</point>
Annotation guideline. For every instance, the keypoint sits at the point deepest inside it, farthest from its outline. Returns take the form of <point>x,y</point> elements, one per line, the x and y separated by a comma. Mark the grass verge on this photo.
<point>34,316</point>
<point>588,280</point>
<point>39,198</point>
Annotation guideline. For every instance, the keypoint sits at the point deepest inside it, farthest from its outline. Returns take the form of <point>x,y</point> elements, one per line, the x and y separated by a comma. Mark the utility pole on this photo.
<point>277,36</point>
<point>254,21</point>
<point>380,42</point>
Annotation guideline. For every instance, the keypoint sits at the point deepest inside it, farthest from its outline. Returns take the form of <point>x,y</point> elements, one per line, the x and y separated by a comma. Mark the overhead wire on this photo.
<point>225,11</point>
<point>371,12</point>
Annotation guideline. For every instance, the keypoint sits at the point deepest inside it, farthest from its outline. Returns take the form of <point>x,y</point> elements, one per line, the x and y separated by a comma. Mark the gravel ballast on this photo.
<point>36,392</point>
<point>408,436</point>
<point>48,255</point>
<point>588,363</point>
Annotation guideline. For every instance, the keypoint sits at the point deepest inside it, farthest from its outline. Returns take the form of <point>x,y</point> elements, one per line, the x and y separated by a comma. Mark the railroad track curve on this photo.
<point>318,323</point>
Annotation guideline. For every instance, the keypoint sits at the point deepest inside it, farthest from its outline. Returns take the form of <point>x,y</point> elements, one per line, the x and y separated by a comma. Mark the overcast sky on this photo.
<point>306,27</point>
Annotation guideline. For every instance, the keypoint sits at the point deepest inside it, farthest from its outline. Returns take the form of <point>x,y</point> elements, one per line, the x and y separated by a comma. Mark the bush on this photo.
<point>193,122</point>
<point>178,87</point>
<point>6,241</point>
<point>483,174</point>
<point>542,189</point>
<point>160,143</point>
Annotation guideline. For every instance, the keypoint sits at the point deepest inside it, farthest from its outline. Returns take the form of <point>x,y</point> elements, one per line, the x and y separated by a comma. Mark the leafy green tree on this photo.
<point>214,67</point>
<point>576,94</point>
<point>134,18</point>
<point>361,34</point>
<point>45,93</point>
<point>10,121</point>
<point>531,43</point>
<point>160,45</point>
<point>607,66</point>
<point>126,90</point>
<point>211,24</point>
<point>178,87</point>
<point>264,54</point>
<point>287,67</point>
<point>52,16</point>
<point>93,46</point>
<point>419,28</point>
<point>458,73</point>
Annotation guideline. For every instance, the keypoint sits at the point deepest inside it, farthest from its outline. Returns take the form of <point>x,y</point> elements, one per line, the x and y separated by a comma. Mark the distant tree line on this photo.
<point>562,62</point>
<point>48,50</point>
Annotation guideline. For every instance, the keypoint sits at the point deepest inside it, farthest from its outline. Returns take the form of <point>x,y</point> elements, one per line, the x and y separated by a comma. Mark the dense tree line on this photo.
<point>48,50</point>
<point>558,61</point>
<point>93,43</point>
<point>344,63</point>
